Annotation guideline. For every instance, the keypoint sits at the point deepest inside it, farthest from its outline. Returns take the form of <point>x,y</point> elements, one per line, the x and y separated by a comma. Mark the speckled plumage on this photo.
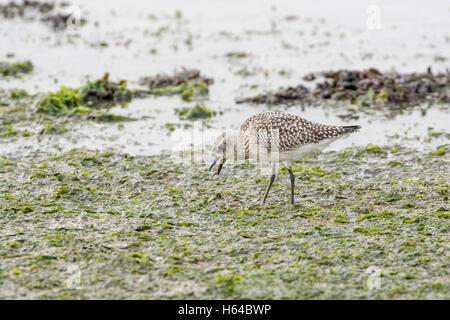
<point>276,137</point>
<point>293,131</point>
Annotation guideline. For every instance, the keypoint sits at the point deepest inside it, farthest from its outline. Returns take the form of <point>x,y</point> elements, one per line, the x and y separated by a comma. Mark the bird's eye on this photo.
<point>221,147</point>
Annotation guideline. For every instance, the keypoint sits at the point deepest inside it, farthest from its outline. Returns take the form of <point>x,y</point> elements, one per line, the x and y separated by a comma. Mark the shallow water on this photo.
<point>283,41</point>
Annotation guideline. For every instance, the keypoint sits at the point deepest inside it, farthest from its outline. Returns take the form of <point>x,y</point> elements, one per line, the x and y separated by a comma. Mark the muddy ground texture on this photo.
<point>100,225</point>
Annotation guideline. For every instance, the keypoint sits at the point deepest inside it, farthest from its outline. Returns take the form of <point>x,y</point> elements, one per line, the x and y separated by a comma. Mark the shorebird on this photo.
<point>275,137</point>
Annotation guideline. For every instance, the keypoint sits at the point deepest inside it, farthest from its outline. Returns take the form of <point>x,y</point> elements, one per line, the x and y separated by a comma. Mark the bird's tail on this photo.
<point>349,129</point>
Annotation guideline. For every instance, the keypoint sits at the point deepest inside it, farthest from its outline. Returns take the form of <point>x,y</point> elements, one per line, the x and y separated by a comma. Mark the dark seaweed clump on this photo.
<point>164,80</point>
<point>103,91</point>
<point>16,68</point>
<point>60,21</point>
<point>28,10</point>
<point>14,9</point>
<point>365,88</point>
<point>97,94</point>
<point>290,94</point>
<point>187,83</point>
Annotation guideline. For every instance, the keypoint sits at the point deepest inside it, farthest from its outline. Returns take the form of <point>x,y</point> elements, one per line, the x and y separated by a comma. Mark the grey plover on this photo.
<point>275,137</point>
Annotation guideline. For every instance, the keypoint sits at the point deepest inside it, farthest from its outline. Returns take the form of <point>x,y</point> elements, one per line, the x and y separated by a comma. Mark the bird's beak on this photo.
<point>213,164</point>
<point>219,168</point>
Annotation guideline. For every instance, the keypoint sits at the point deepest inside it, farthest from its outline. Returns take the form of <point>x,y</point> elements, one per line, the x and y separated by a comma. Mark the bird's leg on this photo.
<point>272,179</point>
<point>292,184</point>
<point>288,166</point>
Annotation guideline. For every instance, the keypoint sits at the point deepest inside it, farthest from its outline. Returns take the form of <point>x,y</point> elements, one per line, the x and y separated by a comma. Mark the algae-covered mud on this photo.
<point>102,225</point>
<point>366,88</point>
<point>108,112</point>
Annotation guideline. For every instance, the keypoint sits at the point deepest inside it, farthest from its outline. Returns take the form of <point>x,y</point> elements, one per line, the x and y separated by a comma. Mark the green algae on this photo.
<point>187,90</point>
<point>371,98</point>
<point>109,117</point>
<point>53,129</point>
<point>439,152</point>
<point>114,217</point>
<point>104,92</point>
<point>61,102</point>
<point>16,68</point>
<point>361,230</point>
<point>13,244</point>
<point>236,54</point>
<point>7,132</point>
<point>19,93</point>
<point>370,90</point>
<point>199,111</point>
<point>373,149</point>
<point>94,95</point>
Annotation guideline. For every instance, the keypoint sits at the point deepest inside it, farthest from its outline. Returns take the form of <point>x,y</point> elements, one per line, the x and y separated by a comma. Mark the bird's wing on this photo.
<point>284,132</point>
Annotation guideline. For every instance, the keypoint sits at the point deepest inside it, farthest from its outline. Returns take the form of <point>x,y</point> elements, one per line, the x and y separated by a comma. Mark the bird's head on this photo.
<point>223,148</point>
